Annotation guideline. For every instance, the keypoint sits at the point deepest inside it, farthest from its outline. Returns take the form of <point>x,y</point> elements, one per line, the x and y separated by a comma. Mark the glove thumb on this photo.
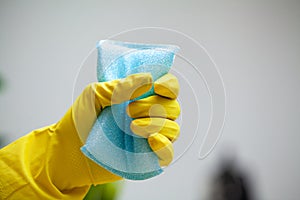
<point>96,96</point>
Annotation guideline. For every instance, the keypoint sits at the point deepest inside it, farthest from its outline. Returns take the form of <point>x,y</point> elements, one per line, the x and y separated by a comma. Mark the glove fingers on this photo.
<point>167,86</point>
<point>120,90</point>
<point>145,127</point>
<point>154,106</point>
<point>162,147</point>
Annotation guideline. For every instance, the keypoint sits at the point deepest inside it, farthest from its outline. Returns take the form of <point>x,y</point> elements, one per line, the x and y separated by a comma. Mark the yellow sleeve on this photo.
<point>48,164</point>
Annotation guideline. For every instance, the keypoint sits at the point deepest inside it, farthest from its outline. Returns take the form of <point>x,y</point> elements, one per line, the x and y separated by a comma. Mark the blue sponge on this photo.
<point>111,143</point>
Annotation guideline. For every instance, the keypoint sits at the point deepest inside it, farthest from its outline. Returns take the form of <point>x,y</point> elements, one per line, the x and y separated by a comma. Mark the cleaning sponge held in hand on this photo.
<point>111,142</point>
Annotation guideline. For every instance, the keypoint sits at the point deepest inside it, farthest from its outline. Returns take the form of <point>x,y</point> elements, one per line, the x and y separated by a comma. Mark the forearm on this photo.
<point>26,167</point>
<point>48,164</point>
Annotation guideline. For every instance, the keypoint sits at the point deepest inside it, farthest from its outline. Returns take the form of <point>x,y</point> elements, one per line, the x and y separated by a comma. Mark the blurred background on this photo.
<point>256,45</point>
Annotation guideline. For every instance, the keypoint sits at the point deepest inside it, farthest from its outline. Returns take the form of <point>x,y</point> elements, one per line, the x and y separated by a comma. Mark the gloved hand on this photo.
<point>154,115</point>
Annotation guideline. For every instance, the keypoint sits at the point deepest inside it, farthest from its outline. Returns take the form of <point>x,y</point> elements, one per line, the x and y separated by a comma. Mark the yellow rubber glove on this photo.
<point>155,115</point>
<point>48,164</point>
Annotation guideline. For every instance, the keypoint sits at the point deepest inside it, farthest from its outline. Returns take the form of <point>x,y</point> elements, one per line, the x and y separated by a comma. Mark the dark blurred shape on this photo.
<point>230,183</point>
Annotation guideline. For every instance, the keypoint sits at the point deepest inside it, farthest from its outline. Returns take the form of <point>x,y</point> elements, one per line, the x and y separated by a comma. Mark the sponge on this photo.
<point>111,143</point>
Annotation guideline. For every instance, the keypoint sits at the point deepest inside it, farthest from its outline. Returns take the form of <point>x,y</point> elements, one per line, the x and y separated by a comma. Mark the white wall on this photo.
<point>255,43</point>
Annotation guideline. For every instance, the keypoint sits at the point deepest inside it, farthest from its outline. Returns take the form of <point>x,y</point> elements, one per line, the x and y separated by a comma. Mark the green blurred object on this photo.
<point>107,191</point>
<point>2,139</point>
<point>1,82</point>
